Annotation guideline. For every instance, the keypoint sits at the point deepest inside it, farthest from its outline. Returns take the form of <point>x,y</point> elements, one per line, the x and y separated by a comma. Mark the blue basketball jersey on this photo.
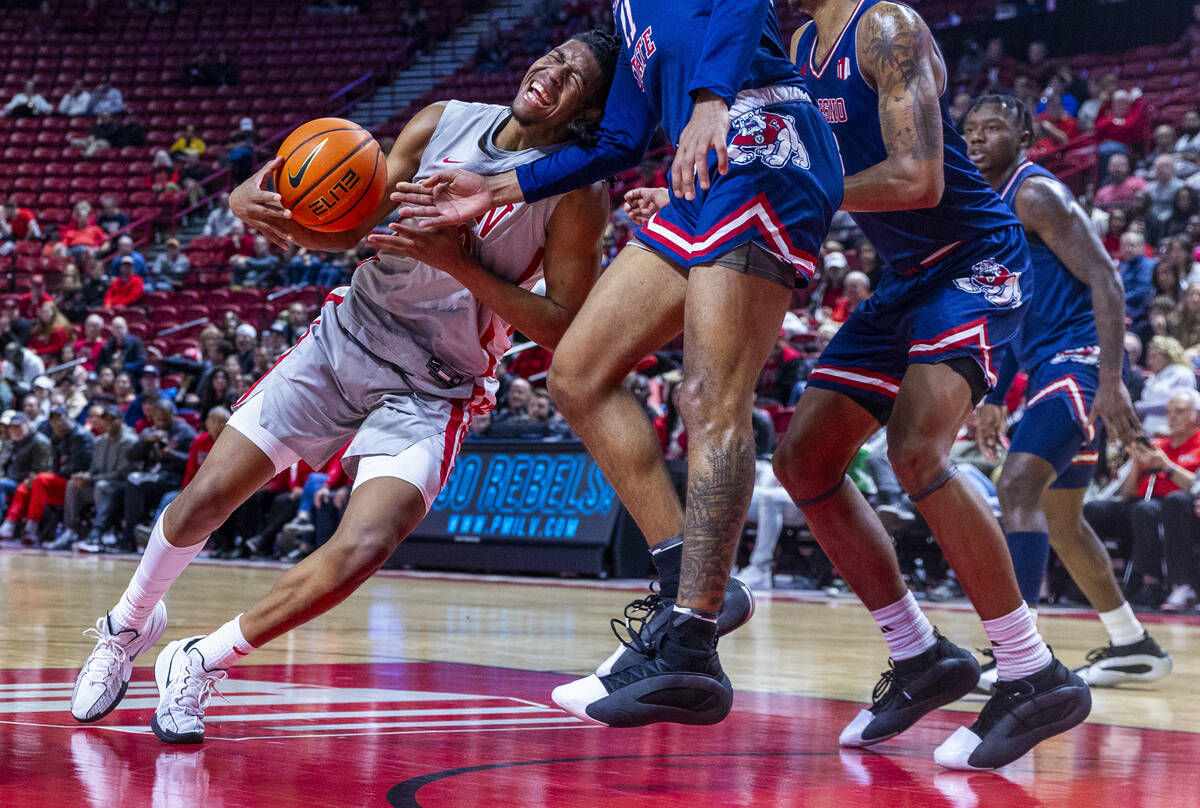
<point>909,241</point>
<point>1060,317</point>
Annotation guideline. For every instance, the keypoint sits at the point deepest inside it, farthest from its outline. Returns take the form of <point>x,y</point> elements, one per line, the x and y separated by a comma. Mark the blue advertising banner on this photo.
<point>525,493</point>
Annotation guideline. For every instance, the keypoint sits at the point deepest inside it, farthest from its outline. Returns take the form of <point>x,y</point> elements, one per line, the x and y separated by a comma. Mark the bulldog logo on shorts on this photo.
<point>992,280</point>
<point>768,137</point>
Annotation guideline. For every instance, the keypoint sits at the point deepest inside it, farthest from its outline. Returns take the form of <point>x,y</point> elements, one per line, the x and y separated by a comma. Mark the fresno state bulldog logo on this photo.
<point>992,280</point>
<point>768,137</point>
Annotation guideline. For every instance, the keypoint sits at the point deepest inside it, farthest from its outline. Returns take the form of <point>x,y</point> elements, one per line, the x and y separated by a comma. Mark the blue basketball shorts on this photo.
<point>975,307</point>
<point>1054,426</point>
<point>783,186</point>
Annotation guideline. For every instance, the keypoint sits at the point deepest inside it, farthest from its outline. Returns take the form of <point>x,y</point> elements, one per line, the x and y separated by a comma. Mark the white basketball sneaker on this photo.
<point>102,682</point>
<point>184,688</point>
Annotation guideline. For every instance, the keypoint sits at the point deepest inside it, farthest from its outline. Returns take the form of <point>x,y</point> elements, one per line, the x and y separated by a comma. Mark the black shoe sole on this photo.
<point>113,706</point>
<point>1012,747</point>
<point>634,705</point>
<point>166,736</point>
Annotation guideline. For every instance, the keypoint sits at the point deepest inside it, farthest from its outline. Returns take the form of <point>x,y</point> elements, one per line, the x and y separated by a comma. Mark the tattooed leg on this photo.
<point>731,323</point>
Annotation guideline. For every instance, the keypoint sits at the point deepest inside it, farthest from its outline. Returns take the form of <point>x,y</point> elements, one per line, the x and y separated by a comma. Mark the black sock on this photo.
<point>667,556</point>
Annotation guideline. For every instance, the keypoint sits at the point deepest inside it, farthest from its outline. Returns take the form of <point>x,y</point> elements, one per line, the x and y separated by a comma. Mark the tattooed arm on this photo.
<point>897,55</point>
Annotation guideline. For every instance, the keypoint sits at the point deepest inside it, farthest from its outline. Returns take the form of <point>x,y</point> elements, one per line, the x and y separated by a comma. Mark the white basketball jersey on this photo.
<point>407,312</point>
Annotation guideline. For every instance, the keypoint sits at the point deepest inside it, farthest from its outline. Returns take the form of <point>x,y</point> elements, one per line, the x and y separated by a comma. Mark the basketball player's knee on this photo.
<point>1018,492</point>
<point>712,409</point>
<point>803,467</point>
<point>201,507</point>
<point>917,462</point>
<point>373,546</point>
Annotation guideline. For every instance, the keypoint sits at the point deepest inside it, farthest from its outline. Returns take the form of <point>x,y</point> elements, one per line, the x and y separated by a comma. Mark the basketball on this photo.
<point>334,175</point>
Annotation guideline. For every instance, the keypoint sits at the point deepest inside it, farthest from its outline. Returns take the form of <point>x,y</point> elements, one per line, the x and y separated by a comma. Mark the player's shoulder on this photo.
<point>888,22</point>
<point>797,35</point>
<point>1042,199</point>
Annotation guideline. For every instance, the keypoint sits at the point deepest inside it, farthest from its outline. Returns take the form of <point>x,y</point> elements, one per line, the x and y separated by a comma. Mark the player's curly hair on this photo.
<point>605,48</point>
<point>1012,105</point>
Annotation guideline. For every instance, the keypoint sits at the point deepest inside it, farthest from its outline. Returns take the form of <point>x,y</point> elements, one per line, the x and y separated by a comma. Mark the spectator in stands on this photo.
<point>1163,144</point>
<point>857,287</point>
<point>1160,195</point>
<point>1189,133</point>
<point>21,365</point>
<point>95,284</point>
<point>30,457</point>
<point>1160,470</point>
<point>13,327</point>
<point>1054,126</point>
<point>832,279</point>
<point>516,401</point>
<point>50,332</point>
<point>30,302</point>
<point>245,341</point>
<point>221,220</point>
<point>31,407</point>
<point>105,133</point>
<point>123,391</point>
<point>70,298</point>
<point>305,267</point>
<point>1124,123</point>
<point>264,268</point>
<point>125,289</point>
<point>414,24</point>
<point>17,224</point>
<point>1171,372</point>
<point>1137,272</point>
<point>163,176</point>
<point>215,392</point>
<point>1185,206</point>
<point>1185,325</point>
<point>107,99</point>
<point>123,352</point>
<point>159,459</point>
<point>149,391</point>
<point>101,483</point>
<point>1100,90</point>
<point>111,218</point>
<point>81,234</point>
<point>1168,281</point>
<point>1038,67</point>
<point>1121,188</point>
<point>778,376</point>
<point>188,144</point>
<point>70,454</point>
<point>28,103</point>
<point>1027,91</point>
<point>869,263</point>
<point>239,151</point>
<point>480,426</point>
<point>76,102</point>
<point>297,322</point>
<point>170,268</point>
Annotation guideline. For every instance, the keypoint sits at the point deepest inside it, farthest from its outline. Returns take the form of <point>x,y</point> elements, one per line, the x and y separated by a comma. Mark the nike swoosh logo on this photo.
<point>448,160</point>
<point>240,652</point>
<point>294,179</point>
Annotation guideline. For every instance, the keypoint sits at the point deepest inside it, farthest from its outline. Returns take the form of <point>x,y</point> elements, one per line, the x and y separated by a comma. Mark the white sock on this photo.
<point>224,646</point>
<point>1123,627</point>
<point>905,628</point>
<point>1032,614</point>
<point>1019,649</point>
<point>161,564</point>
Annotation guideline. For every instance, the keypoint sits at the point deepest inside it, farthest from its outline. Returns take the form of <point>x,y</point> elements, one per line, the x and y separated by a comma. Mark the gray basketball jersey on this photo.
<point>407,312</point>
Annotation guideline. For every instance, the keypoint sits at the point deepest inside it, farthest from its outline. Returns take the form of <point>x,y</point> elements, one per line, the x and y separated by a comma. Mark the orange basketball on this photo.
<point>334,175</point>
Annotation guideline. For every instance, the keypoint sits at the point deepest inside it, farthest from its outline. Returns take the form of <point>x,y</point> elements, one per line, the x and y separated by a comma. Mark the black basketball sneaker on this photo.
<point>677,678</point>
<point>1142,661</point>
<point>911,688</point>
<point>1021,714</point>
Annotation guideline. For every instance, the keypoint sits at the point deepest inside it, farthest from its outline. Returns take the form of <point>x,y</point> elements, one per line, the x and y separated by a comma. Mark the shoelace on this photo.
<point>114,654</point>
<point>884,686</point>
<point>1007,694</point>
<point>1097,654</point>
<point>637,614</point>
<point>194,699</point>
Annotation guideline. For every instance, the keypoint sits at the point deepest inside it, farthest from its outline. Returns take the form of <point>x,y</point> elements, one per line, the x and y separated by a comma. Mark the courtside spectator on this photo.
<point>100,483</point>
<point>111,218</point>
<point>125,289</point>
<point>30,457</point>
<point>28,103</point>
<point>516,401</point>
<point>1121,188</point>
<point>123,352</point>
<point>1133,517</point>
<point>76,102</point>
<point>70,454</point>
<point>159,459</point>
<point>51,331</point>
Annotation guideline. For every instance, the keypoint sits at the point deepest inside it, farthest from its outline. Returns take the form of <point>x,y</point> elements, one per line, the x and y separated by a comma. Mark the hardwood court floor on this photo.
<point>434,691</point>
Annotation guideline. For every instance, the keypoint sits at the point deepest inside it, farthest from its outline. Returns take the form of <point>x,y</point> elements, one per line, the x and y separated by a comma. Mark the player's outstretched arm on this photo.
<point>1047,208</point>
<point>571,261</point>
<point>896,53</point>
<point>256,203</point>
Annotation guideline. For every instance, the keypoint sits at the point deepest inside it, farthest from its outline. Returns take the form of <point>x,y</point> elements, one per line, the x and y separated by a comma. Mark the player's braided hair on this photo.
<point>605,48</point>
<point>1014,106</point>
